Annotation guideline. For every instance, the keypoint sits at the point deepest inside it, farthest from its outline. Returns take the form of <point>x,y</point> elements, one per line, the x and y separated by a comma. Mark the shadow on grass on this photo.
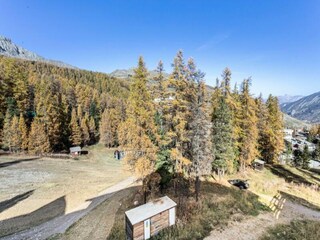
<point>51,219</point>
<point>299,200</point>
<point>288,175</point>
<point>13,201</point>
<point>315,176</point>
<point>43,214</point>
<point>315,170</point>
<point>7,164</point>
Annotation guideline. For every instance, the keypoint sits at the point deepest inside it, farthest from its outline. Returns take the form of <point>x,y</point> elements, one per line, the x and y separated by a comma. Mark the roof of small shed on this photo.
<point>149,209</point>
<point>75,149</point>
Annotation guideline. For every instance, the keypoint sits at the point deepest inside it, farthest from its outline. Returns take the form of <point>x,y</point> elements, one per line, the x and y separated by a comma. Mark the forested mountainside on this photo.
<point>46,107</point>
<point>10,49</point>
<point>306,108</point>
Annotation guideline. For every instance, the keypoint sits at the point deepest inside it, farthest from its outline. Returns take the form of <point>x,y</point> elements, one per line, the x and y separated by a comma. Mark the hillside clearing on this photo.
<point>35,190</point>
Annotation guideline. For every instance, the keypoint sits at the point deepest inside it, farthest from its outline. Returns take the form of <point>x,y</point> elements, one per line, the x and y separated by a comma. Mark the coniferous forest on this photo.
<point>176,124</point>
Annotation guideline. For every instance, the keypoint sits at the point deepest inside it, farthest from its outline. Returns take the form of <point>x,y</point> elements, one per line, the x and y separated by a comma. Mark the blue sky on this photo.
<point>277,42</point>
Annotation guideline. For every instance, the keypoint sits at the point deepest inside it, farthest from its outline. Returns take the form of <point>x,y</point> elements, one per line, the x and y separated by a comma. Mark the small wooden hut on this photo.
<point>258,164</point>
<point>75,151</point>
<point>147,220</point>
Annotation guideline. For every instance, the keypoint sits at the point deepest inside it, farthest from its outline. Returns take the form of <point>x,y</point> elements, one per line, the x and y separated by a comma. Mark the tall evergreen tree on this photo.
<point>109,125</point>
<point>201,137</point>
<point>263,128</point>
<point>248,146</point>
<point>275,144</point>
<point>316,153</point>
<point>75,137</point>
<point>7,134</point>
<point>222,139</point>
<point>305,157</point>
<point>92,130</point>
<point>177,114</point>
<point>84,125</point>
<point>38,138</point>
<point>137,133</point>
<point>15,134</point>
<point>24,133</point>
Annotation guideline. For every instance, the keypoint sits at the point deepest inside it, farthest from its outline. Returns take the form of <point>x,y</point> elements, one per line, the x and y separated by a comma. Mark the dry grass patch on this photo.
<point>296,230</point>
<point>298,185</point>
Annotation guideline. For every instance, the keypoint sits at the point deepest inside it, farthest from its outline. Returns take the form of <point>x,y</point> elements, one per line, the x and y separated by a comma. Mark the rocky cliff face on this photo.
<point>306,108</point>
<point>10,49</point>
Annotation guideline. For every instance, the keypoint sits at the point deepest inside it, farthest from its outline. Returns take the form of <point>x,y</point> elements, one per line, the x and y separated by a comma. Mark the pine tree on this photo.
<point>24,133</point>
<point>85,134</point>
<point>275,144</point>
<point>297,158</point>
<point>137,133</point>
<point>263,128</point>
<point>38,138</point>
<point>305,157</point>
<point>79,112</point>
<point>201,137</point>
<point>109,125</point>
<point>15,134</point>
<point>75,137</point>
<point>7,134</point>
<point>316,153</point>
<point>92,130</point>
<point>222,139</point>
<point>20,89</point>
<point>248,146</point>
<point>159,87</point>
<point>177,114</point>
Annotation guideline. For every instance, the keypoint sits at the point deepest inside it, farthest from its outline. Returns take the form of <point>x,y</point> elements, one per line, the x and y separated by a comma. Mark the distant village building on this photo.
<point>147,220</point>
<point>75,151</point>
<point>157,100</point>
<point>288,134</point>
<point>315,164</point>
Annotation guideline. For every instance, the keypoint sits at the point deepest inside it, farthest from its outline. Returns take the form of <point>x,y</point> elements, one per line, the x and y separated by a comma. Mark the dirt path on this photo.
<point>253,228</point>
<point>62,223</point>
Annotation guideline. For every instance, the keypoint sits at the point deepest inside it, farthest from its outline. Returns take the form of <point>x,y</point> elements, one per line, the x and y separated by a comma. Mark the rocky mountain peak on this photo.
<point>10,49</point>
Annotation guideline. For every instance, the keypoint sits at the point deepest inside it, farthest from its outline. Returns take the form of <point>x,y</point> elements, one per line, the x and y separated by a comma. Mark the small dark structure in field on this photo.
<point>258,165</point>
<point>147,220</point>
<point>118,154</point>
<point>75,151</point>
<point>242,184</point>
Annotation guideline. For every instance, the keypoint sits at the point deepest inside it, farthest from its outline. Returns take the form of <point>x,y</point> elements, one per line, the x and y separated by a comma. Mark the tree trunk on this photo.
<point>144,196</point>
<point>197,188</point>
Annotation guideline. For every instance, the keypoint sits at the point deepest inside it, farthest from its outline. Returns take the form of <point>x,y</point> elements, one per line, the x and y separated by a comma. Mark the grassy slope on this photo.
<point>296,184</point>
<point>217,206</point>
<point>307,230</point>
<point>220,203</point>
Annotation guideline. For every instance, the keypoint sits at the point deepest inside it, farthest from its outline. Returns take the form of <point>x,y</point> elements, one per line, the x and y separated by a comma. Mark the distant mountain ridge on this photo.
<point>306,108</point>
<point>10,49</point>
<point>128,73</point>
<point>288,98</point>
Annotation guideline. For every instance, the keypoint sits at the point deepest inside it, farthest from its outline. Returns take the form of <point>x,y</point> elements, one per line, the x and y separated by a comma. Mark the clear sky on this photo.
<point>277,42</point>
